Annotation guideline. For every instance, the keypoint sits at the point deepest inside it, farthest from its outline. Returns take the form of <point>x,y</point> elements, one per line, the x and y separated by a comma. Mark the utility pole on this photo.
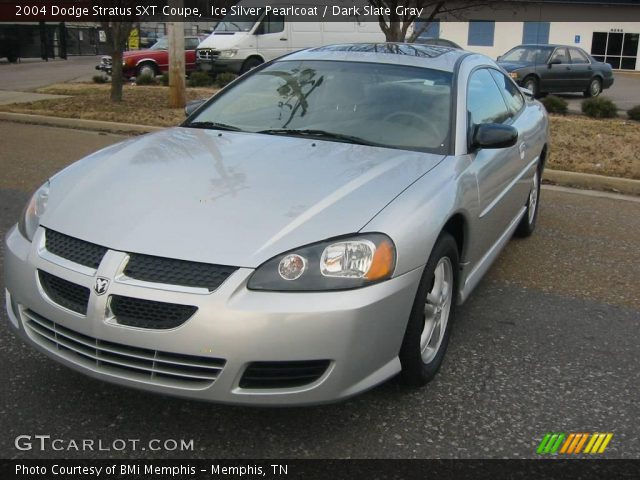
<point>177,94</point>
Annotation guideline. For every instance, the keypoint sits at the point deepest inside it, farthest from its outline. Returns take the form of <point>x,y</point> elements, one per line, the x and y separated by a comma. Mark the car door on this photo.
<point>581,70</point>
<point>555,75</point>
<point>496,169</point>
<point>272,37</point>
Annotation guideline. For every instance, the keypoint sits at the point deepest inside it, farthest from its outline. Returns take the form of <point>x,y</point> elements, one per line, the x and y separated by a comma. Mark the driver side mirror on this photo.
<point>193,105</point>
<point>555,61</point>
<point>494,135</point>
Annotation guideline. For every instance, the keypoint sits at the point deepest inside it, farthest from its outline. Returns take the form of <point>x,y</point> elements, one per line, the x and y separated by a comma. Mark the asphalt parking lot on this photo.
<point>625,92</point>
<point>549,342</point>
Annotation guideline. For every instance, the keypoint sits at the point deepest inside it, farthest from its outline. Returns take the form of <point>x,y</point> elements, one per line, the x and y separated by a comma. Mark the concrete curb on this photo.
<point>592,182</point>
<point>556,177</point>
<point>96,125</point>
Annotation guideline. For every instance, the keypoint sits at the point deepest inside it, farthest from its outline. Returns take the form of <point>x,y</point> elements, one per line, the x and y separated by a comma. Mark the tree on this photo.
<point>396,27</point>
<point>117,35</point>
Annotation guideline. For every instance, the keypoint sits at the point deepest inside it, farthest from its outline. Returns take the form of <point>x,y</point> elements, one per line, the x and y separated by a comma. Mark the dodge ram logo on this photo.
<point>101,285</point>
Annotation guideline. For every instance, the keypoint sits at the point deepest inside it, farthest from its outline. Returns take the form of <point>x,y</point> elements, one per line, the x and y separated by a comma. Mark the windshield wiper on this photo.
<point>212,125</point>
<point>340,137</point>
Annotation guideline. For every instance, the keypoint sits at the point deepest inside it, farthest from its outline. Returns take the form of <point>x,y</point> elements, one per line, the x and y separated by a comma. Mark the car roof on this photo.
<point>419,55</point>
<point>550,45</point>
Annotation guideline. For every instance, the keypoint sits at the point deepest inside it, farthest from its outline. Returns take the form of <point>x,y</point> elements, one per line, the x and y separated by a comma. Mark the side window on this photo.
<point>272,24</point>
<point>510,91</point>
<point>577,56</point>
<point>484,100</point>
<point>191,43</point>
<point>561,55</point>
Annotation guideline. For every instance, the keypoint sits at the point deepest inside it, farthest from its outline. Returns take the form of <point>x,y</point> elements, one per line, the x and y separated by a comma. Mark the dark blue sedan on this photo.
<point>556,68</point>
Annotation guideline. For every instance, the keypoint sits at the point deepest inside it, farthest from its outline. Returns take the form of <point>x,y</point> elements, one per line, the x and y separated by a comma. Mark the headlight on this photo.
<point>34,210</point>
<point>228,53</point>
<point>337,264</point>
<point>514,75</point>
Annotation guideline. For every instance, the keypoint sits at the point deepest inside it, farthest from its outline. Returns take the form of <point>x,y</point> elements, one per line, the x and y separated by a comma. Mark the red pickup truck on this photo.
<point>152,61</point>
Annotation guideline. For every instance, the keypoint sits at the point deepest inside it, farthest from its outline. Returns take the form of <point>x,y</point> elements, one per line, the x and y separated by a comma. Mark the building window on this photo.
<point>481,33</point>
<point>535,32</point>
<point>432,31</point>
<point>620,50</point>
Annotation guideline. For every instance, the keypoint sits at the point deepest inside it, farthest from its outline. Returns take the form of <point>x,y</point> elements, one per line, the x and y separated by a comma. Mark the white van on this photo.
<point>239,45</point>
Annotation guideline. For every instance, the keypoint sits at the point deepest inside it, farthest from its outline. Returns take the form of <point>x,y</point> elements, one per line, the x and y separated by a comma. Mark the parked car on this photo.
<point>239,44</point>
<point>442,42</point>
<point>556,68</point>
<point>303,236</point>
<point>152,61</point>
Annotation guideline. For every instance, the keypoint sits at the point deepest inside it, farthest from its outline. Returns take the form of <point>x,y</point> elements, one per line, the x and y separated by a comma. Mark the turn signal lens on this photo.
<point>383,263</point>
<point>514,75</point>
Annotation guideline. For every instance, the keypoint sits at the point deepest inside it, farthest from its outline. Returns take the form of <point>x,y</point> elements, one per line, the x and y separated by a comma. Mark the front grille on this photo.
<point>125,361</point>
<point>207,54</point>
<point>74,249</point>
<point>282,374</point>
<point>136,312</point>
<point>67,294</point>
<point>177,272</point>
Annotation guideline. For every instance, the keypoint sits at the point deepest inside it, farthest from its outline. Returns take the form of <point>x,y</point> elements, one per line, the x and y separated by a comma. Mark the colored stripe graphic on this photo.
<point>573,443</point>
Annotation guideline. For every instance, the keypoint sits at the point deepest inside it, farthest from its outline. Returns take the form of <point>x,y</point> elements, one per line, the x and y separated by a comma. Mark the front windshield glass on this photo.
<point>379,104</point>
<point>161,44</point>
<point>238,25</point>
<point>527,55</point>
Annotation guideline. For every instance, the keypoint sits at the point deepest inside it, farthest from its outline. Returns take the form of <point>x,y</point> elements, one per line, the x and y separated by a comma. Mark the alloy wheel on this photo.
<point>436,310</point>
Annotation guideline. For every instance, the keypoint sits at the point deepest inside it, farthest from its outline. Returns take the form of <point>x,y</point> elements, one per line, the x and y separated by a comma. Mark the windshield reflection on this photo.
<point>395,106</point>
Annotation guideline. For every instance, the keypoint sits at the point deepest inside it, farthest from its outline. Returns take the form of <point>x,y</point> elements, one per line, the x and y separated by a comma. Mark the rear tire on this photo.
<point>594,89</point>
<point>429,327</point>
<point>527,225</point>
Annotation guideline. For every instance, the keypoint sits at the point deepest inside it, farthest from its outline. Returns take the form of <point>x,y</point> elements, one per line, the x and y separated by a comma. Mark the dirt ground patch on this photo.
<point>578,144</point>
<point>603,147</point>
<point>145,105</point>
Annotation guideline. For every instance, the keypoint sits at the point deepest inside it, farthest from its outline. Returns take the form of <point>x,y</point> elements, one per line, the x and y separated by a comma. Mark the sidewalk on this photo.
<point>9,96</point>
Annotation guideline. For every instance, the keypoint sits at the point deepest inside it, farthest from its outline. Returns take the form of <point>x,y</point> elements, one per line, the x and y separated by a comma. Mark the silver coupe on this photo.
<point>303,236</point>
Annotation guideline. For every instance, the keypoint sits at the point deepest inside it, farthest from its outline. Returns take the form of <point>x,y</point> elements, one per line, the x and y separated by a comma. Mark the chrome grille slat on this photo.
<point>164,368</point>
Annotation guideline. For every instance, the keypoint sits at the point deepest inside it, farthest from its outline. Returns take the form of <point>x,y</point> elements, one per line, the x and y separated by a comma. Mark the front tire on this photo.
<point>594,89</point>
<point>250,64</point>
<point>427,335</point>
<point>531,83</point>
<point>527,225</point>
<point>147,69</point>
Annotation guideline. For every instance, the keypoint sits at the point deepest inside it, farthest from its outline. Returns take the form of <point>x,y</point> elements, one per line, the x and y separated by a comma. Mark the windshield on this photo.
<point>238,25</point>
<point>161,44</point>
<point>527,55</point>
<point>376,104</point>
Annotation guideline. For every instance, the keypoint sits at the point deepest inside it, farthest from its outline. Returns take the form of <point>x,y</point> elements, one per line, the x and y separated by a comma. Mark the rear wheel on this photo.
<point>427,335</point>
<point>594,89</point>
<point>527,225</point>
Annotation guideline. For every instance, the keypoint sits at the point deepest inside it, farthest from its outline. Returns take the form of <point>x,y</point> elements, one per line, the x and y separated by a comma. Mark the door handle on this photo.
<point>283,39</point>
<point>523,149</point>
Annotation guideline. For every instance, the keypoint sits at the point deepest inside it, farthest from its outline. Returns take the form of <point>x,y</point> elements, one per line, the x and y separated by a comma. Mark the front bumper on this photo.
<point>358,331</point>
<point>220,65</point>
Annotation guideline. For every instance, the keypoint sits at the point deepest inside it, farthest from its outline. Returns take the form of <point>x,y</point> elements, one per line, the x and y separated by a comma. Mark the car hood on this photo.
<point>226,197</point>
<point>145,52</point>
<point>223,40</point>
<point>512,66</point>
